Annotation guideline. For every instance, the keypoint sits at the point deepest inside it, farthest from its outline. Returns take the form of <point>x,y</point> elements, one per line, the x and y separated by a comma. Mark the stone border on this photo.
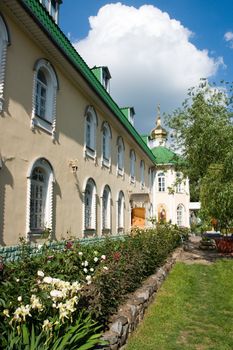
<point>132,311</point>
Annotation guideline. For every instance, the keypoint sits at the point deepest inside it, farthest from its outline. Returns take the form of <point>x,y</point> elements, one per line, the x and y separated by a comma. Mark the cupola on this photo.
<point>158,135</point>
<point>52,6</point>
<point>103,75</point>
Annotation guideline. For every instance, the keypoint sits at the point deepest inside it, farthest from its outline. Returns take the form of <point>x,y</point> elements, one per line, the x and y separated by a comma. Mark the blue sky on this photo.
<point>208,20</point>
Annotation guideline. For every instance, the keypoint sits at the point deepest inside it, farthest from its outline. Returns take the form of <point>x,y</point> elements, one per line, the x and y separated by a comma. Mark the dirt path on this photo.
<point>193,255</point>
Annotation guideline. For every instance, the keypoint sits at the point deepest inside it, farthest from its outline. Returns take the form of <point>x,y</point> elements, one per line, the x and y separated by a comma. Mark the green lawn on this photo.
<point>193,310</point>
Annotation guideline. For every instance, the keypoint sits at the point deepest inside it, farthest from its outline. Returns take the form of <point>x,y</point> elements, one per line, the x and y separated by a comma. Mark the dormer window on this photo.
<point>103,75</point>
<point>129,114</point>
<point>52,6</point>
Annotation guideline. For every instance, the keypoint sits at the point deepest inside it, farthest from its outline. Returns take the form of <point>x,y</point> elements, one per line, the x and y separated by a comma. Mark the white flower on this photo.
<point>91,269</point>
<point>85,270</point>
<point>95,259</point>
<point>22,312</point>
<point>88,278</point>
<point>56,294</point>
<point>6,313</point>
<point>75,287</point>
<point>47,325</point>
<point>103,257</point>
<point>47,280</point>
<point>80,253</point>
<point>105,268</point>
<point>40,273</point>
<point>85,263</point>
<point>36,303</point>
<point>17,279</point>
<point>19,298</point>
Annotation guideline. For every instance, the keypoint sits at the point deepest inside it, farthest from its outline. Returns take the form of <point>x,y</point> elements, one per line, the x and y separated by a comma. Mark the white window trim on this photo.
<point>46,166</point>
<point>162,176</point>
<point>132,166</point>
<point>120,142</point>
<point>108,211</point>
<point>106,162</point>
<point>49,9</point>
<point>181,209</point>
<point>179,185</point>
<point>93,227</point>
<point>37,121</point>
<point>142,174</point>
<point>90,152</point>
<point>4,42</point>
<point>120,220</point>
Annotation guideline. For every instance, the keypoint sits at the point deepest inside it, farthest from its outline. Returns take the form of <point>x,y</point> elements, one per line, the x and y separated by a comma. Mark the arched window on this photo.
<point>178,183</point>
<point>132,165</point>
<point>120,155</point>
<point>4,42</point>
<point>161,182</point>
<point>44,97</point>
<point>40,196</point>
<point>180,215</point>
<point>90,206</point>
<point>120,212</point>
<point>106,209</point>
<point>142,173</point>
<point>106,144</point>
<point>90,132</point>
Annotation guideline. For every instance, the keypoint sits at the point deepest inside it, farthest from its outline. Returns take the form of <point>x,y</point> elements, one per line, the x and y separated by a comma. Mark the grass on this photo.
<point>193,311</point>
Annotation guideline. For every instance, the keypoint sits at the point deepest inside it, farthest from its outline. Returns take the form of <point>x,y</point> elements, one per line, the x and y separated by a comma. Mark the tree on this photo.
<point>216,196</point>
<point>203,131</point>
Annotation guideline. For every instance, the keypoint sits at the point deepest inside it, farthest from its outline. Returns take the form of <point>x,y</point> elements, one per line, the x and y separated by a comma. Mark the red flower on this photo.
<point>116,256</point>
<point>69,245</point>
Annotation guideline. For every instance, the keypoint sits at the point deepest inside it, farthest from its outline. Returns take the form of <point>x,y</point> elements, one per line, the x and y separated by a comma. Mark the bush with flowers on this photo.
<point>63,298</point>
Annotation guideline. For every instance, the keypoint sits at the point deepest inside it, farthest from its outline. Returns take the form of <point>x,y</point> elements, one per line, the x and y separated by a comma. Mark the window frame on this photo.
<point>48,121</point>
<point>142,173</point>
<point>45,165</point>
<point>180,211</point>
<point>4,43</point>
<point>120,156</point>
<point>92,227</point>
<point>106,144</point>
<point>120,212</point>
<point>161,182</point>
<point>179,184</point>
<point>132,166</point>
<point>106,210</point>
<point>53,11</point>
<point>91,123</point>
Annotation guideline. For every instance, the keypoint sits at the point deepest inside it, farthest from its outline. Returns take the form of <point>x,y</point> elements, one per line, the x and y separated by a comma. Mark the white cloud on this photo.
<point>149,55</point>
<point>228,37</point>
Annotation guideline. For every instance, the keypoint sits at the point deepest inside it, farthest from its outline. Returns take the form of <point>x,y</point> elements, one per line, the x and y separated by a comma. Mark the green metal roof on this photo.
<point>145,138</point>
<point>47,24</point>
<point>164,155</point>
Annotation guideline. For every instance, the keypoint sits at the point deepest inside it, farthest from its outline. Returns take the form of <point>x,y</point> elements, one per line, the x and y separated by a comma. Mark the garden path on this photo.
<point>192,254</point>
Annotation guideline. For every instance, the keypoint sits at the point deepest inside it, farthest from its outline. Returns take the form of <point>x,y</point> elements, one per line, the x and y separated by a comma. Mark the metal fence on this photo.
<point>16,252</point>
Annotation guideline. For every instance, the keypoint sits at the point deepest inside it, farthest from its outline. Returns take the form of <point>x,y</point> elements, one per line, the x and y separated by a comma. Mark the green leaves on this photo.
<point>203,130</point>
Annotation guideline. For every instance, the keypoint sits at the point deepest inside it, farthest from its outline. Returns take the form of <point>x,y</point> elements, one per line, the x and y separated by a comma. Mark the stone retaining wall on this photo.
<point>132,312</point>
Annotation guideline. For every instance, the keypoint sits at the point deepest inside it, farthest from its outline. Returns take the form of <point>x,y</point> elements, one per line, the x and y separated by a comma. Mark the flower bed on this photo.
<point>53,297</point>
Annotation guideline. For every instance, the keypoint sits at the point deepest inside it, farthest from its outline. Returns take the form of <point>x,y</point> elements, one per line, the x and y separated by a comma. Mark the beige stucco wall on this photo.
<point>20,146</point>
<point>170,201</point>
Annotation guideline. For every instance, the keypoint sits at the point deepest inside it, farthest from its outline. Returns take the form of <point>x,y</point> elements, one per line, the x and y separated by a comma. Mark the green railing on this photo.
<point>14,253</point>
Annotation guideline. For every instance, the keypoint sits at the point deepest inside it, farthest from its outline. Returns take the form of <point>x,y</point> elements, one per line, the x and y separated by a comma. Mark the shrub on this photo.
<point>51,290</point>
